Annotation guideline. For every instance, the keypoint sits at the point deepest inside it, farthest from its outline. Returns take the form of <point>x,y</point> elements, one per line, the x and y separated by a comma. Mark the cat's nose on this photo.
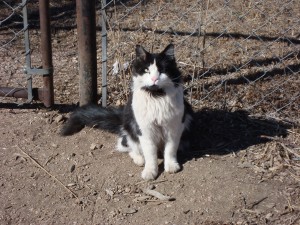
<point>154,78</point>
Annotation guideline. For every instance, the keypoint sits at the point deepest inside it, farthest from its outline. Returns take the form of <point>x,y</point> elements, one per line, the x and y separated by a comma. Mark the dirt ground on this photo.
<point>243,165</point>
<point>48,179</point>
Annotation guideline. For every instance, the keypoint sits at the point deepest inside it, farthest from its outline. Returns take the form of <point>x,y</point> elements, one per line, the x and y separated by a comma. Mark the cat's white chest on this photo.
<point>159,110</point>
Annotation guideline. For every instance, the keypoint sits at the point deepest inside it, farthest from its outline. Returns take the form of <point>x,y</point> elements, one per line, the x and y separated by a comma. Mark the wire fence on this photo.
<point>12,46</point>
<point>234,55</point>
<point>19,60</point>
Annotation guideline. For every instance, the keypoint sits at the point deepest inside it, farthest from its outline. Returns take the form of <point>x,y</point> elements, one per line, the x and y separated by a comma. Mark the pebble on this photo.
<point>93,146</point>
<point>268,216</point>
<point>151,187</point>
<point>186,211</point>
<point>86,179</point>
<point>129,211</point>
<point>59,118</point>
<point>54,145</point>
<point>72,168</point>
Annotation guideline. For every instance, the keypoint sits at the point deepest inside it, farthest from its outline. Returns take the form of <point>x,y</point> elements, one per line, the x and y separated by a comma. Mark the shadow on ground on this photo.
<point>220,132</point>
<point>62,108</point>
<point>213,132</point>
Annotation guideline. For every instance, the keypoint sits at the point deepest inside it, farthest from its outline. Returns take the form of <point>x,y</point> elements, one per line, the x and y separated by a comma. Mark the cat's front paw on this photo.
<point>138,159</point>
<point>149,174</point>
<point>172,167</point>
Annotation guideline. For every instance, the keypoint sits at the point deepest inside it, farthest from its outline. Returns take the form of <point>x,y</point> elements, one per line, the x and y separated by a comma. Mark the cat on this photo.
<point>156,116</point>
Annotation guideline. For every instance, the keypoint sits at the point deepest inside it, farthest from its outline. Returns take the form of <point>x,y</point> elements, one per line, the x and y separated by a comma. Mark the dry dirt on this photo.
<point>242,168</point>
<point>48,179</point>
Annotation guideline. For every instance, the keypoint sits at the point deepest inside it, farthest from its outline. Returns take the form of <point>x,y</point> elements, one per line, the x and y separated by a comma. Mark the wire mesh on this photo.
<point>234,55</point>
<point>11,45</point>
<point>16,54</point>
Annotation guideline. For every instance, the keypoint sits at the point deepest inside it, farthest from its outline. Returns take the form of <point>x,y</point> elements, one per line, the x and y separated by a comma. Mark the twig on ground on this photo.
<point>50,158</point>
<point>157,195</point>
<point>151,182</point>
<point>292,132</point>
<point>289,150</point>
<point>255,203</point>
<point>42,168</point>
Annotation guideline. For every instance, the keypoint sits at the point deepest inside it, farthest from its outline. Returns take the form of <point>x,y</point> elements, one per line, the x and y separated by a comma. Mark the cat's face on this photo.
<point>155,72</point>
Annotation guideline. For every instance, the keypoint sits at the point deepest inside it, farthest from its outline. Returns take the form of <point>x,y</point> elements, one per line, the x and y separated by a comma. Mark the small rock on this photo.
<point>93,146</point>
<point>72,168</point>
<point>113,213</point>
<point>186,211</point>
<point>54,145</point>
<point>59,118</point>
<point>94,192</point>
<point>109,192</point>
<point>129,211</point>
<point>49,120</point>
<point>151,187</point>
<point>86,179</point>
<point>116,199</point>
<point>268,216</point>
<point>79,201</point>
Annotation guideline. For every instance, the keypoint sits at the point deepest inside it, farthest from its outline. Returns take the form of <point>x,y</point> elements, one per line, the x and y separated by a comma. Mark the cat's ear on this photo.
<point>169,51</point>
<point>141,52</point>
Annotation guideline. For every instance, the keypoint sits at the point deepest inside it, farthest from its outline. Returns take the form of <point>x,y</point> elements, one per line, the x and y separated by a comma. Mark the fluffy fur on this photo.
<point>155,118</point>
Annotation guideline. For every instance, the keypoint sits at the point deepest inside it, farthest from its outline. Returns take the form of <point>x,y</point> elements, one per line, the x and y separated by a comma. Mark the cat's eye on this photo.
<point>147,71</point>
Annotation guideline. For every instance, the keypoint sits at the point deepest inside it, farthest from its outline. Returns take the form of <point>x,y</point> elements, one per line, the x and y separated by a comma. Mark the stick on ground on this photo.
<point>41,167</point>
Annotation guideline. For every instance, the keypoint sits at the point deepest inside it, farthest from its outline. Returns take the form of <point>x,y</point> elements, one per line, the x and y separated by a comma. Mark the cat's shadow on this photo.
<point>220,132</point>
<point>213,132</point>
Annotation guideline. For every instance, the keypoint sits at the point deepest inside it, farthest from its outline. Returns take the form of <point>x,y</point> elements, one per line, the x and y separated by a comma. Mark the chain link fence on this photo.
<point>19,60</point>
<point>12,48</point>
<point>234,55</point>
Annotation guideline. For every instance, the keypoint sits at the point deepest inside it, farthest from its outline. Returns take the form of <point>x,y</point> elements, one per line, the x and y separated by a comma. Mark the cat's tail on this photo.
<point>109,119</point>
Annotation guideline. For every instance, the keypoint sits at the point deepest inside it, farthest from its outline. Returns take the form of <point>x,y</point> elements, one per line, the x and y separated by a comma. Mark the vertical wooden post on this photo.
<point>46,51</point>
<point>86,30</point>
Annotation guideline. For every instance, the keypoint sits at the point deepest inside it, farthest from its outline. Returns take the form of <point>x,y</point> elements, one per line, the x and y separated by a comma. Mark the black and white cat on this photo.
<point>155,118</point>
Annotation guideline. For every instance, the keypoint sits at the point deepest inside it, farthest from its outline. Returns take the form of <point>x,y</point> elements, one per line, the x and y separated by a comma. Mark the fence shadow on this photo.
<point>231,35</point>
<point>220,132</point>
<point>288,69</point>
<point>61,108</point>
<point>252,63</point>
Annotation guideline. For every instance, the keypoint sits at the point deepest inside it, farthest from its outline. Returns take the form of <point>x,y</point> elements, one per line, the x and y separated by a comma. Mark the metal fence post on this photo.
<point>104,53</point>
<point>27,51</point>
<point>46,50</point>
<point>86,29</point>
